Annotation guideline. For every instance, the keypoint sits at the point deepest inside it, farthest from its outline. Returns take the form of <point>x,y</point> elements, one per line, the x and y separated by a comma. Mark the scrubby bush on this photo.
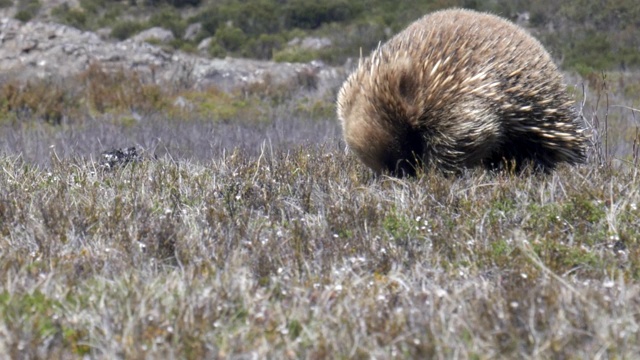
<point>120,91</point>
<point>169,19</point>
<point>70,16</point>
<point>265,45</point>
<point>265,23</point>
<point>42,100</point>
<point>176,3</point>
<point>296,55</point>
<point>311,14</point>
<point>125,29</point>
<point>230,38</point>
<point>27,9</point>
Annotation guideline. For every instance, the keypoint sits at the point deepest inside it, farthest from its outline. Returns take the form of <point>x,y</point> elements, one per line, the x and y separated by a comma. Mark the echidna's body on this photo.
<point>458,89</point>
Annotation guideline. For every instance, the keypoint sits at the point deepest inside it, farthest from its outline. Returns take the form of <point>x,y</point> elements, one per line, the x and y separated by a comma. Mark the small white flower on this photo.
<point>284,330</point>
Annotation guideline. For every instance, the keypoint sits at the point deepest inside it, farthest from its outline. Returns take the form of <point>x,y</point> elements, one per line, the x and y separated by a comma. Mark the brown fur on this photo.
<point>456,89</point>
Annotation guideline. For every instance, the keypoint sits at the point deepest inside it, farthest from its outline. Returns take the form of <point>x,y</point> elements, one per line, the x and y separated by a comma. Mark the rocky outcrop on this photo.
<point>310,43</point>
<point>44,50</point>
<point>155,33</point>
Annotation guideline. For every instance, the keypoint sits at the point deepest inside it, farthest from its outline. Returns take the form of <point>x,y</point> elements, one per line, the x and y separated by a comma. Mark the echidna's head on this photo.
<point>382,138</point>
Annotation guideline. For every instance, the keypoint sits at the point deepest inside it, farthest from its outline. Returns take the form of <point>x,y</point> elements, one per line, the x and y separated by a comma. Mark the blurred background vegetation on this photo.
<point>587,36</point>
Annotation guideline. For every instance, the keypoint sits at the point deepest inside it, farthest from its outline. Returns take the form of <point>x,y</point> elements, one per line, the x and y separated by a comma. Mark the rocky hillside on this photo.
<point>155,36</point>
<point>40,49</point>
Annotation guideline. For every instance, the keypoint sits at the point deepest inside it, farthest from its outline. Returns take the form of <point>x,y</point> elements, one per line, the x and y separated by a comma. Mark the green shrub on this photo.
<point>265,46</point>
<point>123,30</point>
<point>311,15</point>
<point>254,18</point>
<point>230,38</point>
<point>169,19</point>
<point>175,3</point>
<point>23,16</point>
<point>296,55</point>
<point>71,16</point>
<point>595,52</point>
<point>216,50</point>
<point>27,10</point>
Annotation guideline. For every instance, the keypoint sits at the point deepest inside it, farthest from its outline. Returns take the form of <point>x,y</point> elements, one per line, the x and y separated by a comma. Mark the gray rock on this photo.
<point>203,46</point>
<point>192,31</point>
<point>311,43</point>
<point>155,33</point>
<point>104,33</point>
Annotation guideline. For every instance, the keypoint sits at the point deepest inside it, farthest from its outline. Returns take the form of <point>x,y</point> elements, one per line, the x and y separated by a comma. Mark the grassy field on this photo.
<point>257,236</point>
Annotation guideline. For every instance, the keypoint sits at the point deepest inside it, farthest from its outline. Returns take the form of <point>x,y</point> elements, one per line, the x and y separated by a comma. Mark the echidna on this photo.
<point>456,89</point>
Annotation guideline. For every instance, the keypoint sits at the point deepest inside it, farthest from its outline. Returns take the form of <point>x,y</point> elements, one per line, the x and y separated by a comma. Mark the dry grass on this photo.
<point>302,254</point>
<point>264,239</point>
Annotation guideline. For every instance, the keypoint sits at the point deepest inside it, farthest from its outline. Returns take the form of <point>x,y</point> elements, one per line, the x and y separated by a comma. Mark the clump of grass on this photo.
<point>216,105</point>
<point>43,100</point>
<point>27,10</point>
<point>127,95</point>
<point>118,91</point>
<point>95,91</point>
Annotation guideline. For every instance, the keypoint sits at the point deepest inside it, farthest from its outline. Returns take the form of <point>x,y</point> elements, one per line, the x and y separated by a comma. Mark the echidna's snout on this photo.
<point>408,157</point>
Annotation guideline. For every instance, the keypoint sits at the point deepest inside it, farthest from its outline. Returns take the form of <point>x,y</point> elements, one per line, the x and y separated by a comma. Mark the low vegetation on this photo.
<point>300,252</point>
<point>248,231</point>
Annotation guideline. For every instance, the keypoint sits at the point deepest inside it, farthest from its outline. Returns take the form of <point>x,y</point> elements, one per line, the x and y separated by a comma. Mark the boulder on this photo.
<point>155,33</point>
<point>203,46</point>
<point>311,43</point>
<point>192,31</point>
